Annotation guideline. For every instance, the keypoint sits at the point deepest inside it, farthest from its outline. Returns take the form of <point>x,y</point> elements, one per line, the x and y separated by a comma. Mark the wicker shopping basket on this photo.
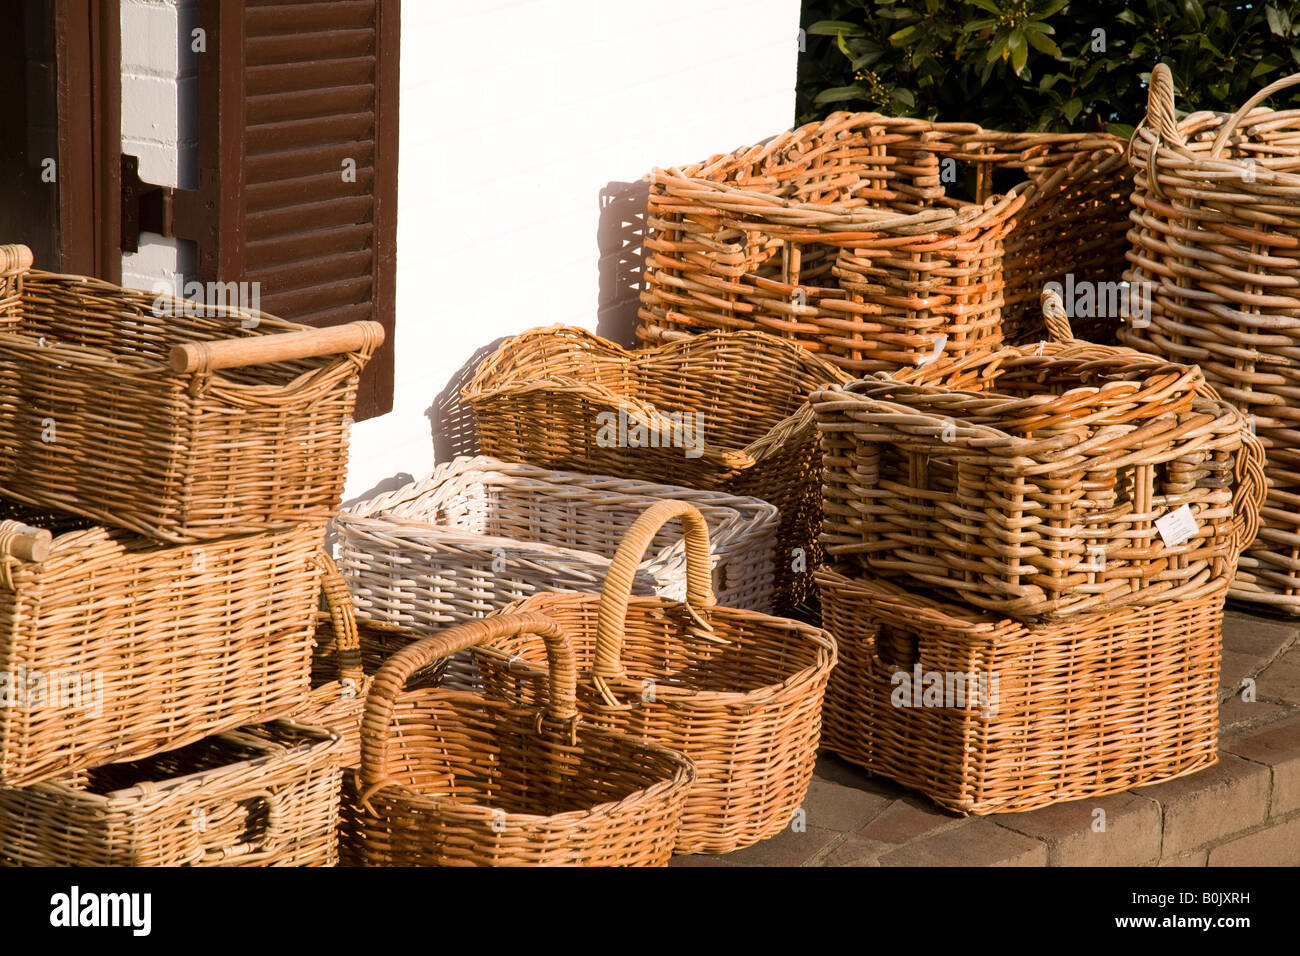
<point>114,647</point>
<point>1215,230</point>
<point>128,408</point>
<point>737,691</point>
<point>984,714</point>
<point>478,534</point>
<point>263,795</point>
<point>1044,480</point>
<point>720,412</point>
<point>876,241</point>
<point>450,778</point>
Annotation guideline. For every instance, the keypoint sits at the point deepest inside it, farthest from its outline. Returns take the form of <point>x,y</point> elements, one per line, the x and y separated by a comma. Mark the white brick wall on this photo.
<point>519,119</point>
<point>159,122</point>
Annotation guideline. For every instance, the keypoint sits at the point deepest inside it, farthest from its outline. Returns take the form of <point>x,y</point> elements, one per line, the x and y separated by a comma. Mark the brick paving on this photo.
<point>1243,811</point>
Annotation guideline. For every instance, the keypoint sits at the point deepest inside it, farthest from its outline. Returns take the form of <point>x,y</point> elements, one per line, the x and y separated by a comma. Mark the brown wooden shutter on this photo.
<point>290,93</point>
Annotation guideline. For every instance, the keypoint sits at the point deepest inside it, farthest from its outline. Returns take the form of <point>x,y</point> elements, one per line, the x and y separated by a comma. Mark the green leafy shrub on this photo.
<point>1039,64</point>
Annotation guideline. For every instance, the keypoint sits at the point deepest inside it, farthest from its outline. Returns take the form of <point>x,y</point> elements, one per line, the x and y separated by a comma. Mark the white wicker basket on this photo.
<point>478,534</point>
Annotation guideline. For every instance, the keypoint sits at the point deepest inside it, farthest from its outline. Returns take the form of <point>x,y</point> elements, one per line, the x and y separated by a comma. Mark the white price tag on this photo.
<point>1177,526</point>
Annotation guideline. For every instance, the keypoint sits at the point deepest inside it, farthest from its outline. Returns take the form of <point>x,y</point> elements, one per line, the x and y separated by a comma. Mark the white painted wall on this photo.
<point>517,117</point>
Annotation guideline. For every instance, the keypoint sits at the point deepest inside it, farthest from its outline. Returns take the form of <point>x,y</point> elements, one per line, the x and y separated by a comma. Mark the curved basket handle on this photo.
<point>1055,317</point>
<point>15,258</point>
<point>1160,105</point>
<point>393,675</point>
<point>611,616</point>
<point>1249,105</point>
<point>258,848</point>
<point>347,642</point>
<point>24,542</point>
<point>278,347</point>
<point>1252,490</point>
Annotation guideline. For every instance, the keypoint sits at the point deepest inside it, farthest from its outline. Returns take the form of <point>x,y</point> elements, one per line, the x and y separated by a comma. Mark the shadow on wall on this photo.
<point>451,420</point>
<point>619,238</point>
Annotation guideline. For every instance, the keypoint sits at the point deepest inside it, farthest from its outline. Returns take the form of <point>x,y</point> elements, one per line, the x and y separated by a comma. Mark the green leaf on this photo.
<point>1276,21</point>
<point>844,47</point>
<point>1071,108</point>
<point>830,28</point>
<point>1122,130</point>
<point>901,96</point>
<point>838,94</point>
<point>987,5</point>
<point>1126,16</point>
<point>983,23</point>
<point>996,49</point>
<point>1043,44</point>
<point>1019,50</point>
<point>866,60</point>
<point>1194,8</point>
<point>1053,6</point>
<point>904,35</point>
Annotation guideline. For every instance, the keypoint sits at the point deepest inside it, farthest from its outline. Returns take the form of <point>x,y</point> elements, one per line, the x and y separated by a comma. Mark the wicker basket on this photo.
<point>1044,481</point>
<point>737,691</point>
<point>265,795</point>
<point>1215,230</point>
<point>347,655</point>
<point>114,647</point>
<point>116,405</point>
<point>987,715</point>
<point>561,397</point>
<point>876,241</point>
<point>478,534</point>
<point>450,778</point>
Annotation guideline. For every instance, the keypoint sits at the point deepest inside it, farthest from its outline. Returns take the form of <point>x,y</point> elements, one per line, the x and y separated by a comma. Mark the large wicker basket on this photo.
<point>1215,231</point>
<point>984,714</point>
<point>126,407</point>
<point>450,778</point>
<point>265,795</point>
<point>114,647</point>
<point>878,241</point>
<point>738,692</point>
<point>561,397</point>
<point>1044,480</point>
<point>479,533</point>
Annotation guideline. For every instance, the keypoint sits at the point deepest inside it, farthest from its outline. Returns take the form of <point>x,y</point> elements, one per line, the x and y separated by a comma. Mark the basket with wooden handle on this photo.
<point>452,778</point>
<point>737,691</point>
<point>1215,228</point>
<point>175,419</point>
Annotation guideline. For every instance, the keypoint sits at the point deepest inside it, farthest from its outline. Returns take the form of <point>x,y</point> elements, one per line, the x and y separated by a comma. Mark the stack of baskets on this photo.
<point>167,470</point>
<point>1214,237</point>
<point>1027,569</point>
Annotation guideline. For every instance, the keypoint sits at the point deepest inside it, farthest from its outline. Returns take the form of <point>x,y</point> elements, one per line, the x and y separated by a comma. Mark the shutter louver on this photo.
<point>306,108</point>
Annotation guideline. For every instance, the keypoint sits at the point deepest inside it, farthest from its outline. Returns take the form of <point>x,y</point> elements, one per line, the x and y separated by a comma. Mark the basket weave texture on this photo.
<point>1215,227</point>
<point>265,795</point>
<point>115,647</point>
<point>478,534</point>
<point>94,418</point>
<point>737,691</point>
<point>1041,480</point>
<point>984,714</point>
<point>560,397</point>
<point>451,778</point>
<point>875,241</point>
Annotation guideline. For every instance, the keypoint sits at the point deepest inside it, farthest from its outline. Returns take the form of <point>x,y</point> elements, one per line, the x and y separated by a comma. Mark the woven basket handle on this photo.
<point>1160,105</point>
<point>23,542</point>
<point>1252,489</point>
<point>611,616</point>
<point>278,347</point>
<point>393,675</point>
<point>260,847</point>
<point>347,642</point>
<point>1055,317</point>
<point>1250,104</point>
<point>15,258</point>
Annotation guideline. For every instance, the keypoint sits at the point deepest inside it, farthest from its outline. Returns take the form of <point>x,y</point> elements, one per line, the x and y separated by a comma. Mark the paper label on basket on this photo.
<point>1177,526</point>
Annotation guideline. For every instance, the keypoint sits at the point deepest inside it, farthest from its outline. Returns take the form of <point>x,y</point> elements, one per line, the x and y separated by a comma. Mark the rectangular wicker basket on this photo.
<point>265,795</point>
<point>983,714</point>
<point>875,241</point>
<point>478,534</point>
<point>1041,481</point>
<point>180,421</point>
<point>114,647</point>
